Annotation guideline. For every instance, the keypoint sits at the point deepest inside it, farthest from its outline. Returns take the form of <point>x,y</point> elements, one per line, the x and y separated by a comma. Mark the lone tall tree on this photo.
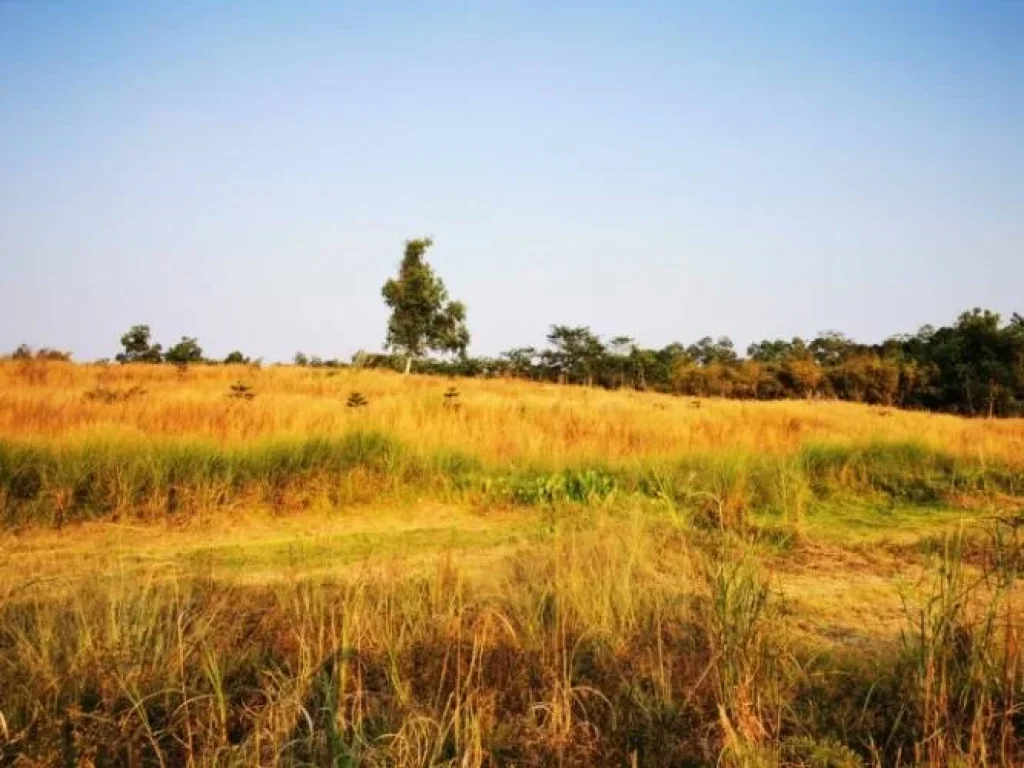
<point>422,317</point>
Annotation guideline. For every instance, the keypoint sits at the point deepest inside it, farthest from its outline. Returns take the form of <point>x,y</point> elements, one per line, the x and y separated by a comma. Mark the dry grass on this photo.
<point>500,420</point>
<point>255,548</point>
<point>541,576</point>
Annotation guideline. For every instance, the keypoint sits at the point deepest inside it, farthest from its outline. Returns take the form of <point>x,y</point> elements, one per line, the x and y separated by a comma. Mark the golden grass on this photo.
<point>368,626</point>
<point>498,421</point>
<point>256,547</point>
<point>835,594</point>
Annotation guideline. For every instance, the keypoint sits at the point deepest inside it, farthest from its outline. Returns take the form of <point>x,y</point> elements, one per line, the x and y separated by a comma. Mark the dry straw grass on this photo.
<point>499,420</point>
<point>541,576</point>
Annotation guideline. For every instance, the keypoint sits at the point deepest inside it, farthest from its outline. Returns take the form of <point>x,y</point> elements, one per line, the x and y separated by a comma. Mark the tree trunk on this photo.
<point>408,364</point>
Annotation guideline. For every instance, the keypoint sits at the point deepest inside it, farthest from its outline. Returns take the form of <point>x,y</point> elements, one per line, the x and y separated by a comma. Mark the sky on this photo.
<point>247,173</point>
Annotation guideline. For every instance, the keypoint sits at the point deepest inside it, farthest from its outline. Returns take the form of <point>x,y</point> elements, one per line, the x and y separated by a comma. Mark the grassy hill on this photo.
<point>236,566</point>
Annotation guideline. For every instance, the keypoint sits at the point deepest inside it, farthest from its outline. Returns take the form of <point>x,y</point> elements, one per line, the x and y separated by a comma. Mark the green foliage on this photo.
<point>236,358</point>
<point>184,352</point>
<point>356,400</point>
<point>708,351</point>
<point>579,486</point>
<point>102,478</point>
<point>25,353</point>
<point>576,354</point>
<point>137,347</point>
<point>422,316</point>
<point>902,471</point>
<point>975,367</point>
<point>723,492</point>
<point>520,361</point>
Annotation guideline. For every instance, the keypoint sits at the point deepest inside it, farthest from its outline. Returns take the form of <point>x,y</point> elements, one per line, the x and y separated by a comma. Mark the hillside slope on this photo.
<point>497,573</point>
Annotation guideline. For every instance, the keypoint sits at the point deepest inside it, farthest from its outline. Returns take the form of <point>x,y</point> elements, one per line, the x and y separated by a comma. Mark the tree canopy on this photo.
<point>137,347</point>
<point>973,367</point>
<point>423,318</point>
<point>185,351</point>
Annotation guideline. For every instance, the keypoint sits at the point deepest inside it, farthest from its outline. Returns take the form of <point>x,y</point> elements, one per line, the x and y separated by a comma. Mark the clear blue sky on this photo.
<point>247,172</point>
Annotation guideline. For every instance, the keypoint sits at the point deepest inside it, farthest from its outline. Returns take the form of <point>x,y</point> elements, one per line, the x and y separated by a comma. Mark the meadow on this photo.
<point>232,565</point>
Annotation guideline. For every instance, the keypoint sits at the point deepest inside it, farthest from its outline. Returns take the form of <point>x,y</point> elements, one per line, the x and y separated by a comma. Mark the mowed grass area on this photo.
<point>520,574</point>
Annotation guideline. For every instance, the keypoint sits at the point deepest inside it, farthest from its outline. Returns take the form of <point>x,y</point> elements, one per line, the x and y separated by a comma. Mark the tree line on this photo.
<point>973,367</point>
<point>138,347</point>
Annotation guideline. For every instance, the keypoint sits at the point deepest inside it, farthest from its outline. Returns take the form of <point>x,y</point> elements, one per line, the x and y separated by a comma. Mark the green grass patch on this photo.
<point>318,552</point>
<point>53,485</point>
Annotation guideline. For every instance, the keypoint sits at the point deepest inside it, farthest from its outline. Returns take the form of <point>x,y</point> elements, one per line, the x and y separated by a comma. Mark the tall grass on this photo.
<point>640,623</point>
<point>56,484</point>
<point>498,421</point>
<point>609,644</point>
<point>965,676</point>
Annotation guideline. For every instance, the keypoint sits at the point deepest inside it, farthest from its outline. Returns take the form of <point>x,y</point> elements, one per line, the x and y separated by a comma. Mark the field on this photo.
<point>227,565</point>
